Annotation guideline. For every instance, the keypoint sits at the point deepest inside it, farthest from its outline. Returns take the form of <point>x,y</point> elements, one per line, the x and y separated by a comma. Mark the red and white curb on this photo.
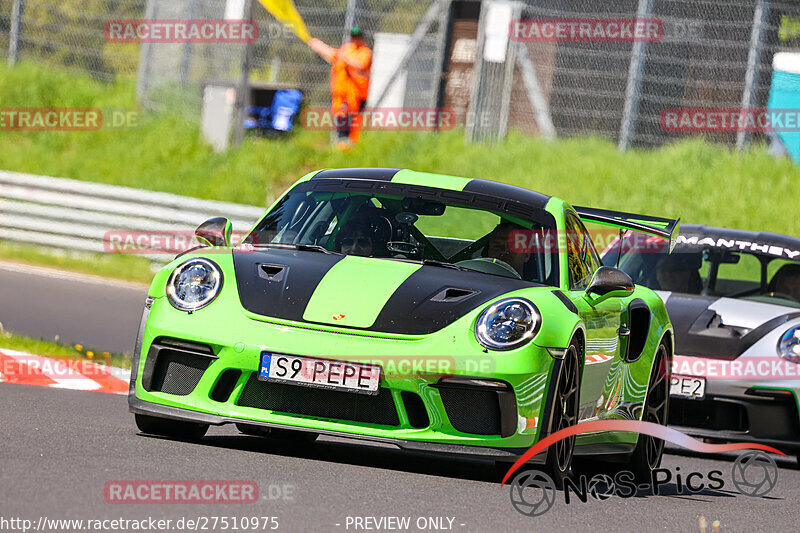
<point>598,358</point>
<point>28,369</point>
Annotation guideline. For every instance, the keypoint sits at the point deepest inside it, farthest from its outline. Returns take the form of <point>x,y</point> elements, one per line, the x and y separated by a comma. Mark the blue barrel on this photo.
<point>785,94</point>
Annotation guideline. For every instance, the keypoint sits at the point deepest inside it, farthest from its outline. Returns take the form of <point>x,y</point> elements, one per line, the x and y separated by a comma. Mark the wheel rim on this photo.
<point>567,405</point>
<point>656,406</point>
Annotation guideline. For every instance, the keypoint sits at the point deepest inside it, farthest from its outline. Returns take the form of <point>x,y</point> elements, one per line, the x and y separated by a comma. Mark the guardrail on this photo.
<point>77,215</point>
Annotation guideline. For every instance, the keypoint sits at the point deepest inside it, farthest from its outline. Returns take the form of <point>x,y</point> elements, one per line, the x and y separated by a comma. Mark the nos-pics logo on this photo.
<point>533,493</point>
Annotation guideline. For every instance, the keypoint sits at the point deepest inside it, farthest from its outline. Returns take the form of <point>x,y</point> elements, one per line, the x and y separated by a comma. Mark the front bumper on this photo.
<point>415,411</point>
<point>184,415</point>
<point>741,411</point>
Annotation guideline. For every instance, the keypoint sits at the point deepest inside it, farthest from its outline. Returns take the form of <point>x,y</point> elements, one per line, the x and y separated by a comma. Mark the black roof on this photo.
<point>759,237</point>
<point>491,188</point>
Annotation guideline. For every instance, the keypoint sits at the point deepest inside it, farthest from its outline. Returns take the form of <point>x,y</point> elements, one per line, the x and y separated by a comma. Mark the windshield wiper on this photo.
<point>301,247</point>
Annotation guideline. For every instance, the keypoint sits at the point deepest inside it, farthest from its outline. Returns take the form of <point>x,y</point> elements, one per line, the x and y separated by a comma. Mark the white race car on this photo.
<point>734,300</point>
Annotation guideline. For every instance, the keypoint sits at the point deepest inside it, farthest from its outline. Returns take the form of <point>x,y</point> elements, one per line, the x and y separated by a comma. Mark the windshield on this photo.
<point>712,271</point>
<point>398,227</point>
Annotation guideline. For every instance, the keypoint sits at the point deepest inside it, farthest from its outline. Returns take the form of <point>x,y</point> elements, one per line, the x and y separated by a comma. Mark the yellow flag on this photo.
<point>286,13</point>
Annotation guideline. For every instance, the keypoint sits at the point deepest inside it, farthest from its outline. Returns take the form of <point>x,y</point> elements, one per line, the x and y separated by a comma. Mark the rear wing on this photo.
<point>666,228</point>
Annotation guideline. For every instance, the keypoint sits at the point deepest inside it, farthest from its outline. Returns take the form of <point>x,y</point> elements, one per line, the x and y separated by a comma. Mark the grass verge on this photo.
<point>698,181</point>
<point>116,266</point>
<point>49,348</point>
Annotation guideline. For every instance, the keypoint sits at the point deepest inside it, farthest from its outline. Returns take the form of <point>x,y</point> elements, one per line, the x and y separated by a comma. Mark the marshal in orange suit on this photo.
<point>350,66</point>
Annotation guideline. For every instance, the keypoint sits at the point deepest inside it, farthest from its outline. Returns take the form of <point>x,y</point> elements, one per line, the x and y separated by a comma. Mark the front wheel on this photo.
<point>174,429</point>
<point>564,414</point>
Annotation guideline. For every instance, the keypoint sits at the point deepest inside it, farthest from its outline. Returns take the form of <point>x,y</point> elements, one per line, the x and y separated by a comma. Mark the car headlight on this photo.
<point>507,324</point>
<point>194,284</point>
<point>789,345</point>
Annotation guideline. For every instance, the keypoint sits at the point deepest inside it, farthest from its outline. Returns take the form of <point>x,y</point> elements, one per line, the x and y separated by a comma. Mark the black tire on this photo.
<point>289,435</point>
<point>174,429</point>
<point>647,455</point>
<point>564,413</point>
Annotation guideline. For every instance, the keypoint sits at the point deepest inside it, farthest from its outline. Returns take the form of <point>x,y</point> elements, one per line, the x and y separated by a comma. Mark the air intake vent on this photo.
<point>178,372</point>
<point>175,366</point>
<point>472,411</point>
<point>225,385</point>
<point>483,407</point>
<point>320,403</point>
<point>271,272</point>
<point>453,294</point>
<point>415,409</point>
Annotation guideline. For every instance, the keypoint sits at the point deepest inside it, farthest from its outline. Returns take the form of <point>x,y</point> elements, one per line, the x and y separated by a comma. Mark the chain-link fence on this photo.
<point>70,34</point>
<point>708,54</point>
<point>711,54</point>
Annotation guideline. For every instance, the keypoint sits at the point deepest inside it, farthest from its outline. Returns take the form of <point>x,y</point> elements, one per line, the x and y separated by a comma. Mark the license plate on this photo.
<point>320,373</point>
<point>687,387</point>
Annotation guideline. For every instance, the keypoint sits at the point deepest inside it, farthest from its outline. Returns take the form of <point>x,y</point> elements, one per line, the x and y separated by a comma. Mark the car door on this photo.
<point>602,320</point>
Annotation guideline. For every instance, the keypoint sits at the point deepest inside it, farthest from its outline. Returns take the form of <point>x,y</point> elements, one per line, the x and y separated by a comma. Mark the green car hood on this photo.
<point>360,292</point>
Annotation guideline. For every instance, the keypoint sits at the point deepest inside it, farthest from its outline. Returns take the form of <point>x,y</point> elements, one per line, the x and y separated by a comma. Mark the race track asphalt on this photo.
<point>42,303</point>
<point>61,447</point>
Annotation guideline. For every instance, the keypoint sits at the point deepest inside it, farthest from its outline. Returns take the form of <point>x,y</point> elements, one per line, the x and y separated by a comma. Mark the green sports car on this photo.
<point>463,316</point>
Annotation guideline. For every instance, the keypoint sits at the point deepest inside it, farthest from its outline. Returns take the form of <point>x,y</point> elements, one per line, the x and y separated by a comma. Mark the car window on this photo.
<point>582,257</point>
<point>714,271</point>
<point>736,273</point>
<point>410,228</point>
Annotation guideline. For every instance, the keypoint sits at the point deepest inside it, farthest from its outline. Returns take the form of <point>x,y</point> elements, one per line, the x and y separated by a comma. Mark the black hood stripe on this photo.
<point>411,311</point>
<point>288,296</point>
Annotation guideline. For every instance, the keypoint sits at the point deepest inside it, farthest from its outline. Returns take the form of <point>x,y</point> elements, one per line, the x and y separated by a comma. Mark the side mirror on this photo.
<point>609,282</point>
<point>214,232</point>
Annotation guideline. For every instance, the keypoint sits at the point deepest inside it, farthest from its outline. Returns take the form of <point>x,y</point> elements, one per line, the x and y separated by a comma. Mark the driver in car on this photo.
<point>787,281</point>
<point>500,247</point>
<point>363,236</point>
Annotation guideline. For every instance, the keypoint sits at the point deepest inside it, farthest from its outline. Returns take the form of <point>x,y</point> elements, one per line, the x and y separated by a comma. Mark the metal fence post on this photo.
<point>416,38</point>
<point>440,61</point>
<point>753,61</point>
<point>349,19</point>
<point>145,58</point>
<point>15,32</point>
<point>535,94</point>
<point>243,90</point>
<point>634,88</point>
<point>187,46</point>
